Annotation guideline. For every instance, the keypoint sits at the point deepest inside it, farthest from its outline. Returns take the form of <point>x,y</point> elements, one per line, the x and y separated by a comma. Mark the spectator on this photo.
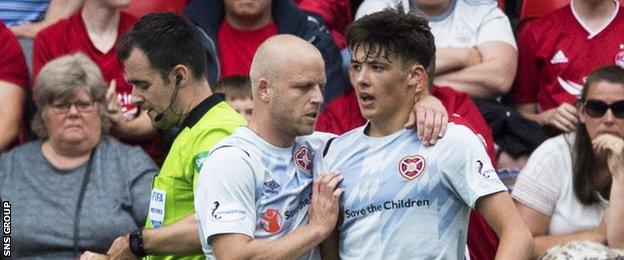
<point>160,56</point>
<point>476,50</point>
<point>76,189</point>
<point>558,51</point>
<point>240,27</point>
<point>394,187</point>
<point>237,90</point>
<point>94,31</point>
<point>572,187</point>
<point>14,85</point>
<point>27,18</point>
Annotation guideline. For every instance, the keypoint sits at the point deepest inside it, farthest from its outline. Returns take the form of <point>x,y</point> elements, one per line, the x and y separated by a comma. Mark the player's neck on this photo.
<point>387,125</point>
<point>261,125</point>
<point>594,13</point>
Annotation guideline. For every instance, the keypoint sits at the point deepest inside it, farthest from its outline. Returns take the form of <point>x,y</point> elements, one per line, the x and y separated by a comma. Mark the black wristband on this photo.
<point>136,243</point>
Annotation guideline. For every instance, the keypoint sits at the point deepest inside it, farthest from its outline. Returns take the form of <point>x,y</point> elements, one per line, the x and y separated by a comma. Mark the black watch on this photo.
<point>136,243</point>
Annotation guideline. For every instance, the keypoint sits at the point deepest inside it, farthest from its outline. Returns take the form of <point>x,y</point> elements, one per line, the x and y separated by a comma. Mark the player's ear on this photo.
<point>417,77</point>
<point>263,90</point>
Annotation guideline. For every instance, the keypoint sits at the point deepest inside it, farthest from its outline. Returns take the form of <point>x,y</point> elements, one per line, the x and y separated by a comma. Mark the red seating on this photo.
<point>140,8</point>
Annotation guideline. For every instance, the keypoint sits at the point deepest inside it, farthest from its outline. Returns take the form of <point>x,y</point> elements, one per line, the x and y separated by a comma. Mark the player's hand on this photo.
<point>430,117</point>
<point>324,208</point>
<point>88,255</point>
<point>613,147</point>
<point>120,249</point>
<point>563,117</point>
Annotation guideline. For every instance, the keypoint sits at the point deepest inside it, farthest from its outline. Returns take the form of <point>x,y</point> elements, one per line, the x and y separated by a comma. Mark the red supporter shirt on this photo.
<point>557,52</point>
<point>70,36</point>
<point>343,114</point>
<point>13,68</point>
<point>237,48</point>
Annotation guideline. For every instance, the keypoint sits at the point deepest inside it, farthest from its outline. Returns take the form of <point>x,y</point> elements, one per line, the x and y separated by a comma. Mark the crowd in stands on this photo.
<point>546,98</point>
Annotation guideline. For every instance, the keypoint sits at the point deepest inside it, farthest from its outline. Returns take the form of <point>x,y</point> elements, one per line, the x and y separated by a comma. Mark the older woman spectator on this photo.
<point>572,188</point>
<point>76,189</point>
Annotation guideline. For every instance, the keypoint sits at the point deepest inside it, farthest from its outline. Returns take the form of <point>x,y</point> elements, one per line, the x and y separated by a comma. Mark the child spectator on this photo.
<point>237,90</point>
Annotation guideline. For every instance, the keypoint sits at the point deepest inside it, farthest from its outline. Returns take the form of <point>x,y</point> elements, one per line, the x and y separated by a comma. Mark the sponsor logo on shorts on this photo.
<point>303,160</point>
<point>411,167</point>
<point>271,221</point>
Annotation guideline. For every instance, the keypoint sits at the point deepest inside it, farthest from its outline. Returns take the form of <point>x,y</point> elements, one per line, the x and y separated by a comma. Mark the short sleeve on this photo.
<point>495,27</point>
<point>539,183</point>
<point>466,166</point>
<point>225,194</point>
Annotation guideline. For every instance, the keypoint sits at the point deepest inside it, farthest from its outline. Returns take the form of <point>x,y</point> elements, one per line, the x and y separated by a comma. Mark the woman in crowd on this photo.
<point>76,189</point>
<point>572,188</point>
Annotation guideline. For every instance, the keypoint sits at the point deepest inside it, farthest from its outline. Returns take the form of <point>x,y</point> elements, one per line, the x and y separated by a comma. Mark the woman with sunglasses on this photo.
<point>76,189</point>
<point>572,188</point>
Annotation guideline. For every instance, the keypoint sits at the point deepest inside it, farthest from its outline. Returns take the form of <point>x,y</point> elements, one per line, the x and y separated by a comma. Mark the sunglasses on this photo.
<point>597,108</point>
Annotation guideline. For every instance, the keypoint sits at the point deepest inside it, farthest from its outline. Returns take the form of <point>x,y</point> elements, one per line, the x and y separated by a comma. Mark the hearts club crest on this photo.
<point>411,167</point>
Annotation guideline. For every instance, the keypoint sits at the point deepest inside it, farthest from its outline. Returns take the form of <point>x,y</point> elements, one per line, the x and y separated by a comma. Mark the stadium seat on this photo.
<point>140,8</point>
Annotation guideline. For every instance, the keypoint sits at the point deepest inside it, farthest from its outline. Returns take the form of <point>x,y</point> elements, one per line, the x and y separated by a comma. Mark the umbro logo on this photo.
<point>559,58</point>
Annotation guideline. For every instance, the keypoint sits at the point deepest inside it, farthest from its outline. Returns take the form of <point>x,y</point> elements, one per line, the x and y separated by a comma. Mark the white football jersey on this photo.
<point>403,200</point>
<point>248,186</point>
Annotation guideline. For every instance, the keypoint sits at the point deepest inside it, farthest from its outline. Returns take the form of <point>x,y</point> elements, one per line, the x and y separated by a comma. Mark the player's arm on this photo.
<point>489,79</point>
<point>500,213</point>
<point>58,9</point>
<point>12,100</point>
<point>323,216</point>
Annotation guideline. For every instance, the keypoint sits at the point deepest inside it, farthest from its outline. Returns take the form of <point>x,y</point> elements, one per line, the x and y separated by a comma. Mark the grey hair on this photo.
<point>63,77</point>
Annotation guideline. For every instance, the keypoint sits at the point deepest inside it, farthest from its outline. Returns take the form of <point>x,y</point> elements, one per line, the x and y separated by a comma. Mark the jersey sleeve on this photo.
<point>207,140</point>
<point>495,27</point>
<point>225,195</point>
<point>539,183</point>
<point>466,167</point>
